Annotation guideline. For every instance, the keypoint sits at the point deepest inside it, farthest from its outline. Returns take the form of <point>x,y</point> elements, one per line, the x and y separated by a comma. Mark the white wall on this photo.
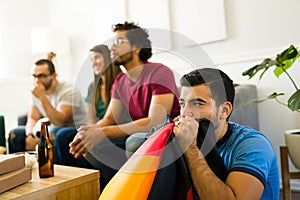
<point>255,29</point>
<point>17,19</point>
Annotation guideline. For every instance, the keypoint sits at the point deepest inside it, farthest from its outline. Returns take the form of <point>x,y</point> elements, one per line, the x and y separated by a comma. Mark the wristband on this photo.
<point>31,135</point>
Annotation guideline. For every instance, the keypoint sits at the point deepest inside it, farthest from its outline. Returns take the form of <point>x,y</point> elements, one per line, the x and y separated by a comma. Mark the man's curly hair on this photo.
<point>137,37</point>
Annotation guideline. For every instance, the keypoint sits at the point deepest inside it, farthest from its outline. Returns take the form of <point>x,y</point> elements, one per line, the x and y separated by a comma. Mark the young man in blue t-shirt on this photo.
<point>248,155</point>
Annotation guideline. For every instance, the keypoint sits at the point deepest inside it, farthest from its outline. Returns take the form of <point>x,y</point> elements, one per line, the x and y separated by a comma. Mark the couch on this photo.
<point>242,113</point>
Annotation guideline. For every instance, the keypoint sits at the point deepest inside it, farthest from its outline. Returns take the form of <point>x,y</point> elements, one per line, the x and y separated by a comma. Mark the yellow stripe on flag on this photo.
<point>134,179</point>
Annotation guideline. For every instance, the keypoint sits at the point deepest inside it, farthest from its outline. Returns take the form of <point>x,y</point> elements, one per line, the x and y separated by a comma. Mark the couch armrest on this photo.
<point>2,131</point>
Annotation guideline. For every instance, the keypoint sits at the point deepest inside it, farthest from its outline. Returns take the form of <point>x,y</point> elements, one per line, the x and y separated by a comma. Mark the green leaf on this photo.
<point>286,59</point>
<point>287,54</point>
<point>250,72</point>
<point>282,63</point>
<point>272,96</point>
<point>265,65</point>
<point>294,101</point>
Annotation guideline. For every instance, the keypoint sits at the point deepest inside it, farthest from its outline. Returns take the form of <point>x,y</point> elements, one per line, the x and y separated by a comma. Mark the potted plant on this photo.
<point>281,63</point>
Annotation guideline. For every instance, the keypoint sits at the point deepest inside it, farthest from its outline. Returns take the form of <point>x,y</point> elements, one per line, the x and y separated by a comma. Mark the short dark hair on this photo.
<point>50,64</point>
<point>220,85</point>
<point>137,36</point>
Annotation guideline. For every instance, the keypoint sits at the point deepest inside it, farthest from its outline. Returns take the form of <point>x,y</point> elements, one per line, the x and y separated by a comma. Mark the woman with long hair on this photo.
<point>98,98</point>
<point>99,91</point>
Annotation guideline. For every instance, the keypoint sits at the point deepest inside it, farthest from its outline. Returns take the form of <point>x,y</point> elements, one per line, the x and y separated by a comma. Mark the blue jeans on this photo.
<point>108,156</point>
<point>17,142</point>
<point>63,138</point>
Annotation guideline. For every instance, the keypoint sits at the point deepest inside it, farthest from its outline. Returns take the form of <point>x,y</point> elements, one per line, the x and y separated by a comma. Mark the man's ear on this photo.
<point>226,109</point>
<point>136,51</point>
<point>54,75</point>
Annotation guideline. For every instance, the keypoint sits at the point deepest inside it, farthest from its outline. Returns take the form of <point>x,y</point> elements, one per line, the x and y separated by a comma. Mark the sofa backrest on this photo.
<point>245,114</point>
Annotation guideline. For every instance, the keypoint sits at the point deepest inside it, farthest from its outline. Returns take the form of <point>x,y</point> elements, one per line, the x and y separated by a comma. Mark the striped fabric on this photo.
<point>136,178</point>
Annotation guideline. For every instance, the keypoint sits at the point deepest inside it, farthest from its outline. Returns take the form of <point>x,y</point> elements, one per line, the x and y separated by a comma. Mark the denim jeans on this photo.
<point>108,156</point>
<point>63,138</point>
<point>17,143</point>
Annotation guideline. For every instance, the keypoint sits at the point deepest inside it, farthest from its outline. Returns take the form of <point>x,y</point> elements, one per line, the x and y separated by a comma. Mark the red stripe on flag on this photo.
<point>155,143</point>
<point>189,194</point>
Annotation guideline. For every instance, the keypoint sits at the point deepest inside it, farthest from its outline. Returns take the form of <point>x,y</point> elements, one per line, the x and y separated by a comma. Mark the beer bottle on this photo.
<point>45,153</point>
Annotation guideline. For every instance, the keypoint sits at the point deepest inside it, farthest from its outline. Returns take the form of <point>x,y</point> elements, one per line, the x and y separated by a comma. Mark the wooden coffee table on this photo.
<point>67,183</point>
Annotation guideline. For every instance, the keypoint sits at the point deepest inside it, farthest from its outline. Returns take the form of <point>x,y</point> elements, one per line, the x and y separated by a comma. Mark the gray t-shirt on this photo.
<point>65,94</point>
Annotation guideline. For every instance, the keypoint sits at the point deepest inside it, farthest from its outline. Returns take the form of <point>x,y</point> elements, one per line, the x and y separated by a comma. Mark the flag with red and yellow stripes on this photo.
<point>135,179</point>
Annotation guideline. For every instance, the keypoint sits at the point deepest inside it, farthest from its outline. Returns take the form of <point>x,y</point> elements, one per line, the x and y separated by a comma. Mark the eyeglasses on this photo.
<point>41,76</point>
<point>119,41</point>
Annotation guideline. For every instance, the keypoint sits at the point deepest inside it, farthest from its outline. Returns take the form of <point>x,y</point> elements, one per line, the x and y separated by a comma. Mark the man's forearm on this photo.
<point>125,130</point>
<point>29,126</point>
<point>207,184</point>
<point>55,117</point>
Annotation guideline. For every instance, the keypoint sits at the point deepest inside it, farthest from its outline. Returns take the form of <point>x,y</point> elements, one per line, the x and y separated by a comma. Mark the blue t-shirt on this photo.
<point>247,150</point>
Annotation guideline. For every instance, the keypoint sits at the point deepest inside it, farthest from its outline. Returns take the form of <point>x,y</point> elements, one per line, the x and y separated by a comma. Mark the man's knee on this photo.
<point>16,140</point>
<point>11,135</point>
<point>65,135</point>
<point>133,142</point>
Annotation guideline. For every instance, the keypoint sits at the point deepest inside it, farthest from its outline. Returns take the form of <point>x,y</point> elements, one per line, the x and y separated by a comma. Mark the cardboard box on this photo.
<point>12,179</point>
<point>11,162</point>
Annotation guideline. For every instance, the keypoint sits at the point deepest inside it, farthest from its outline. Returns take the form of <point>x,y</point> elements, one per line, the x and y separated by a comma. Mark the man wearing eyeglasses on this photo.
<point>51,98</point>
<point>147,92</point>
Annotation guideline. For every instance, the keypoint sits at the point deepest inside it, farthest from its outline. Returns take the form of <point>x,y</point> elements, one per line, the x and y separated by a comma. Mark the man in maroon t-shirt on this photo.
<point>155,81</point>
<point>147,92</point>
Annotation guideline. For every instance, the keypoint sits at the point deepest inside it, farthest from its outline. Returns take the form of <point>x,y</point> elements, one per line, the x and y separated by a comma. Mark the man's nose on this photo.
<point>186,111</point>
<point>36,80</point>
<point>112,47</point>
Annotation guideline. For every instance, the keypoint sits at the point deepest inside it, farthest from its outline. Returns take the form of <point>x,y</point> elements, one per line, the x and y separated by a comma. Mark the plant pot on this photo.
<point>292,140</point>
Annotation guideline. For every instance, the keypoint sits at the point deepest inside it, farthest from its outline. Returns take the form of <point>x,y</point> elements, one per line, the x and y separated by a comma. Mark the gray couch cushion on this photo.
<point>245,114</point>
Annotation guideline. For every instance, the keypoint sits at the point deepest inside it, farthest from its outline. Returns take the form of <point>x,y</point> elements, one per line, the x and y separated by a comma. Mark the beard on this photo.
<point>48,85</point>
<point>123,59</point>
